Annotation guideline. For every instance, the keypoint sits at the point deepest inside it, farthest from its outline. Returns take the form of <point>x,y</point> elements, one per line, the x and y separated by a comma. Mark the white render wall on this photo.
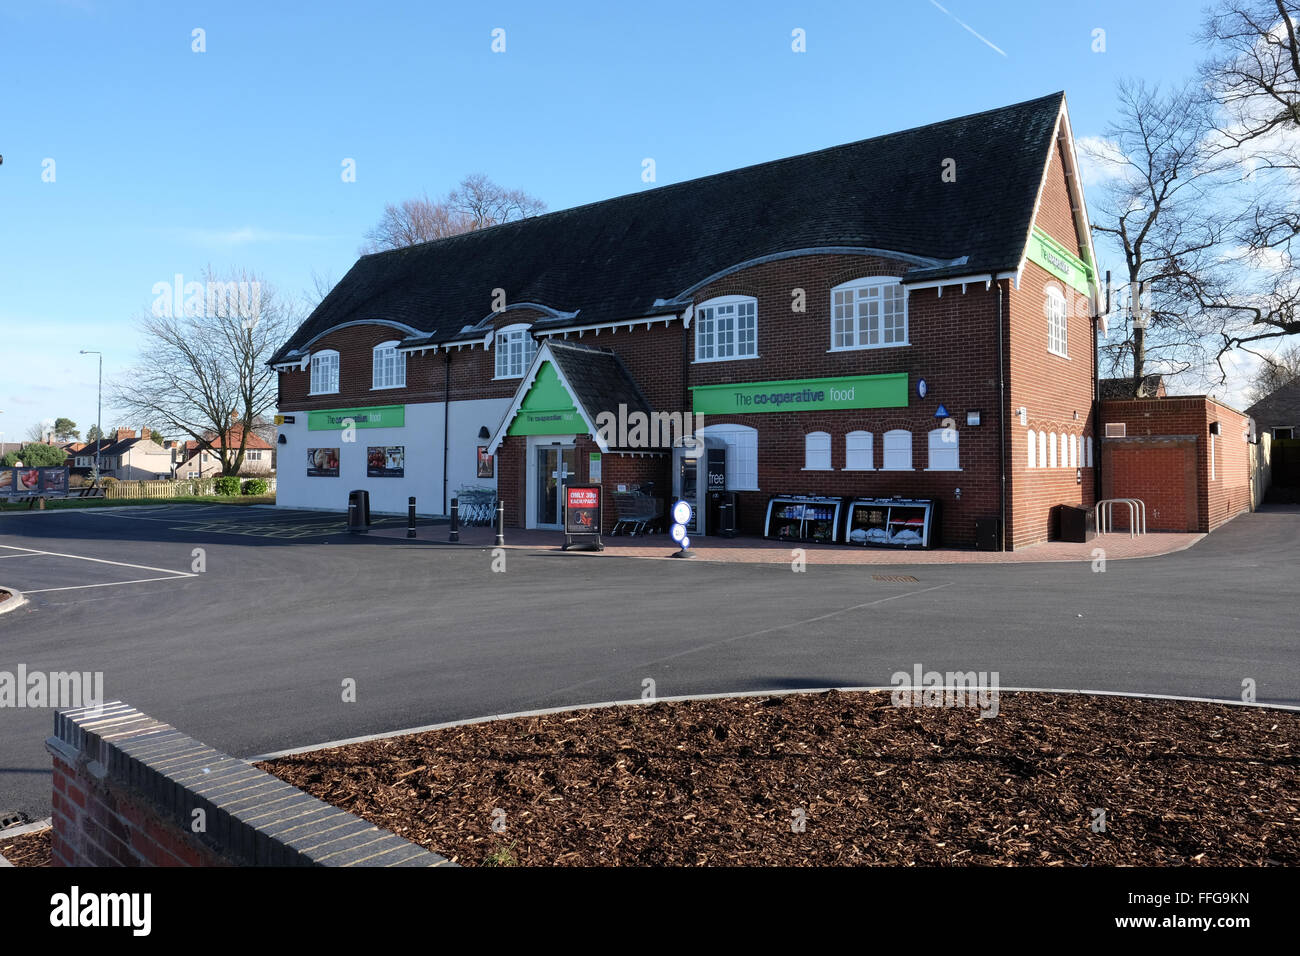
<point>422,435</point>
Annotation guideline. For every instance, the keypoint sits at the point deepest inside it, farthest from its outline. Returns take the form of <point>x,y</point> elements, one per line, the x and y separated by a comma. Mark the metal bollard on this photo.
<point>454,537</point>
<point>410,517</point>
<point>501,524</point>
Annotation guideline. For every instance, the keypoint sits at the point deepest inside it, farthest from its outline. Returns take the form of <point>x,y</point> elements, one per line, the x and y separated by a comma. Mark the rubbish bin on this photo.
<point>725,525</point>
<point>986,533</point>
<point>1074,523</point>
<point>358,510</point>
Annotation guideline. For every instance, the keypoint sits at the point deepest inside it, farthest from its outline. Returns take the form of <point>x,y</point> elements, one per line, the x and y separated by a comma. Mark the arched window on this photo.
<point>868,313</point>
<point>1074,451</point>
<point>817,451</point>
<point>1051,449</point>
<point>515,349</point>
<point>1042,449</point>
<point>324,372</point>
<point>858,452</point>
<point>1031,448</point>
<point>388,366</point>
<point>726,328</point>
<point>1088,449</point>
<point>742,454</point>
<point>898,450</point>
<point>943,450</point>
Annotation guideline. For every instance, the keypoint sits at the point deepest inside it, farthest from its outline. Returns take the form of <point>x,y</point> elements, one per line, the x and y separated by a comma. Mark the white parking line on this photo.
<point>82,557</point>
<point>108,584</point>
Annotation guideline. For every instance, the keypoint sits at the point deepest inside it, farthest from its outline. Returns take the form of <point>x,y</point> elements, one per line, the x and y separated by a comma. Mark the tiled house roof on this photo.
<point>1279,408</point>
<point>629,257</point>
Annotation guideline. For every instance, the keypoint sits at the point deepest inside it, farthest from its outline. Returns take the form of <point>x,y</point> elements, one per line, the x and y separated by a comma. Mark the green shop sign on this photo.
<point>803,395</point>
<point>375,416</point>
<point>1060,262</point>
<point>548,408</point>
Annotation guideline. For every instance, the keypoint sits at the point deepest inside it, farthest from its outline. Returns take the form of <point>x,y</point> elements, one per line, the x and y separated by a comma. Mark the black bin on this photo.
<point>986,533</point>
<point>358,510</point>
<point>724,517</point>
<point>1074,523</point>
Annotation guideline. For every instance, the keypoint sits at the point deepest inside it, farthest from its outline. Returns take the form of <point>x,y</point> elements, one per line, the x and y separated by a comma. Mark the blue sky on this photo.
<point>167,161</point>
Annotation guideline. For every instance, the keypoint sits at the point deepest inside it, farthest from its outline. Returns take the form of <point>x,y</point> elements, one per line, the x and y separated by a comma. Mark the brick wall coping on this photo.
<point>252,817</point>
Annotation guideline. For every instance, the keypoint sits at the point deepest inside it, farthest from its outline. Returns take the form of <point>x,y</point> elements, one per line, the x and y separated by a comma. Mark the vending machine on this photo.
<point>699,474</point>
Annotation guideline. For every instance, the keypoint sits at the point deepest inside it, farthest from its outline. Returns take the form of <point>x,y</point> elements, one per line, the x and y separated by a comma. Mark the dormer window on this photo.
<point>726,328</point>
<point>324,372</point>
<point>389,366</point>
<point>868,313</point>
<point>515,349</point>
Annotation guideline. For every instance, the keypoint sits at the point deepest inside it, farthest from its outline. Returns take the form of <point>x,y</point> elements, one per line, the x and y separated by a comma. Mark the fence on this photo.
<point>1261,470</point>
<point>187,488</point>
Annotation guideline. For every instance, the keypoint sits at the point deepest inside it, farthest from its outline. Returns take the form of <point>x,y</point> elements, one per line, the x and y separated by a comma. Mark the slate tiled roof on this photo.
<point>599,378</point>
<point>1281,407</point>
<point>618,258</point>
<point>1152,387</point>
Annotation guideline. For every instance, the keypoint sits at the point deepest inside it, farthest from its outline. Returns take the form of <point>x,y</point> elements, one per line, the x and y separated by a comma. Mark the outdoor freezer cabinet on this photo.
<point>892,522</point>
<point>803,518</point>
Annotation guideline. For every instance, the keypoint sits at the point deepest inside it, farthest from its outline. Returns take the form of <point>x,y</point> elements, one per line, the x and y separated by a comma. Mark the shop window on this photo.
<point>817,451</point>
<point>742,454</point>
<point>868,313</point>
<point>898,450</point>
<point>858,452</point>
<point>944,455</point>
<point>515,349</point>
<point>1051,449</point>
<point>324,372</point>
<point>1056,338</point>
<point>388,366</point>
<point>1031,448</point>
<point>726,328</point>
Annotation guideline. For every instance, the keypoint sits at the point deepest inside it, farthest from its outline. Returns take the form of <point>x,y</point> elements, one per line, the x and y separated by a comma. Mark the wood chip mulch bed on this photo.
<point>30,849</point>
<point>837,779</point>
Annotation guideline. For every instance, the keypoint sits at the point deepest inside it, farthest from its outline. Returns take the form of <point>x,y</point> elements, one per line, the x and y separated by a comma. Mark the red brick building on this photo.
<point>909,316</point>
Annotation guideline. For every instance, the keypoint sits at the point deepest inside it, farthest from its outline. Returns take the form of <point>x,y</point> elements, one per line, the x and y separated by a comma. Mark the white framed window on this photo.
<point>324,372</point>
<point>726,328</point>
<point>742,454</point>
<point>1051,449</point>
<point>389,366</point>
<point>817,451</point>
<point>858,452</point>
<point>1032,448</point>
<point>1056,327</point>
<point>1074,451</point>
<point>898,450</point>
<point>944,453</point>
<point>868,313</point>
<point>1087,447</point>
<point>191,474</point>
<point>255,454</point>
<point>1283,432</point>
<point>1042,449</point>
<point>515,349</point>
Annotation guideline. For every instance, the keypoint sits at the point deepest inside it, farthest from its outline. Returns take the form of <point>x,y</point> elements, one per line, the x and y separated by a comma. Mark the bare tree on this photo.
<point>1154,208</point>
<point>204,372</point>
<point>1276,371</point>
<point>474,204</point>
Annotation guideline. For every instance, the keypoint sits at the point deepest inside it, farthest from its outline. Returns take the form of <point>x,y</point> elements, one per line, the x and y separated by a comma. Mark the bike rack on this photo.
<point>1137,515</point>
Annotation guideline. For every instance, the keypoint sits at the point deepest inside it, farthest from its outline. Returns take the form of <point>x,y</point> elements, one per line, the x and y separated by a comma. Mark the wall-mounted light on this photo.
<point>1214,428</point>
<point>483,434</point>
<point>1023,414</point>
<point>1078,476</point>
<point>283,439</point>
<point>957,493</point>
<point>973,417</point>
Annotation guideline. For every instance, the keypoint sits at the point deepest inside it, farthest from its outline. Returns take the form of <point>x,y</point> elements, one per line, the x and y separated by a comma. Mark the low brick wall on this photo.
<point>133,791</point>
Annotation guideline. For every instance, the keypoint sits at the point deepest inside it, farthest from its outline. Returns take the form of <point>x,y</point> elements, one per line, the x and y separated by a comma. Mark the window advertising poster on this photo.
<point>322,462</point>
<point>386,461</point>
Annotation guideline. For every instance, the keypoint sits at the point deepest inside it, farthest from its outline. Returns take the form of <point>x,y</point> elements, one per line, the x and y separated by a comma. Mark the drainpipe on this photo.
<point>1004,400</point>
<point>1096,401</point>
<point>446,418</point>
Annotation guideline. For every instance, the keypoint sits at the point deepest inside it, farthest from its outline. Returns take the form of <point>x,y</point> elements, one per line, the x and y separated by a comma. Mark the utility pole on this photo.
<point>99,407</point>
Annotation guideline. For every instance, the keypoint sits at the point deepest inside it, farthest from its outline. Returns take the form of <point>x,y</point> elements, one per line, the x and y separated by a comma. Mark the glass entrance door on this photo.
<point>556,466</point>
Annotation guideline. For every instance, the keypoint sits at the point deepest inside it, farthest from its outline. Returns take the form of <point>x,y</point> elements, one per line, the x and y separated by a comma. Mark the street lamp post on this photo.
<point>99,405</point>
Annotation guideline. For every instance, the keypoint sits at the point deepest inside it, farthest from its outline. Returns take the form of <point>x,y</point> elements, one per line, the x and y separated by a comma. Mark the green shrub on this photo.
<point>227,485</point>
<point>255,486</point>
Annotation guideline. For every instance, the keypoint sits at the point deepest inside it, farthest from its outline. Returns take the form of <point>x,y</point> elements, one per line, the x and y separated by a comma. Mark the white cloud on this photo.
<point>1100,159</point>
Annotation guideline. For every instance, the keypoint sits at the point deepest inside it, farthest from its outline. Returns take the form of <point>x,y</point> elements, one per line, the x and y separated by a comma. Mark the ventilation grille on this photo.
<point>1116,429</point>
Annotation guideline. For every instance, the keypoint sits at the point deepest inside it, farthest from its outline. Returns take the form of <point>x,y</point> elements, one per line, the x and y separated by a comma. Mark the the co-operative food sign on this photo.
<point>803,395</point>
